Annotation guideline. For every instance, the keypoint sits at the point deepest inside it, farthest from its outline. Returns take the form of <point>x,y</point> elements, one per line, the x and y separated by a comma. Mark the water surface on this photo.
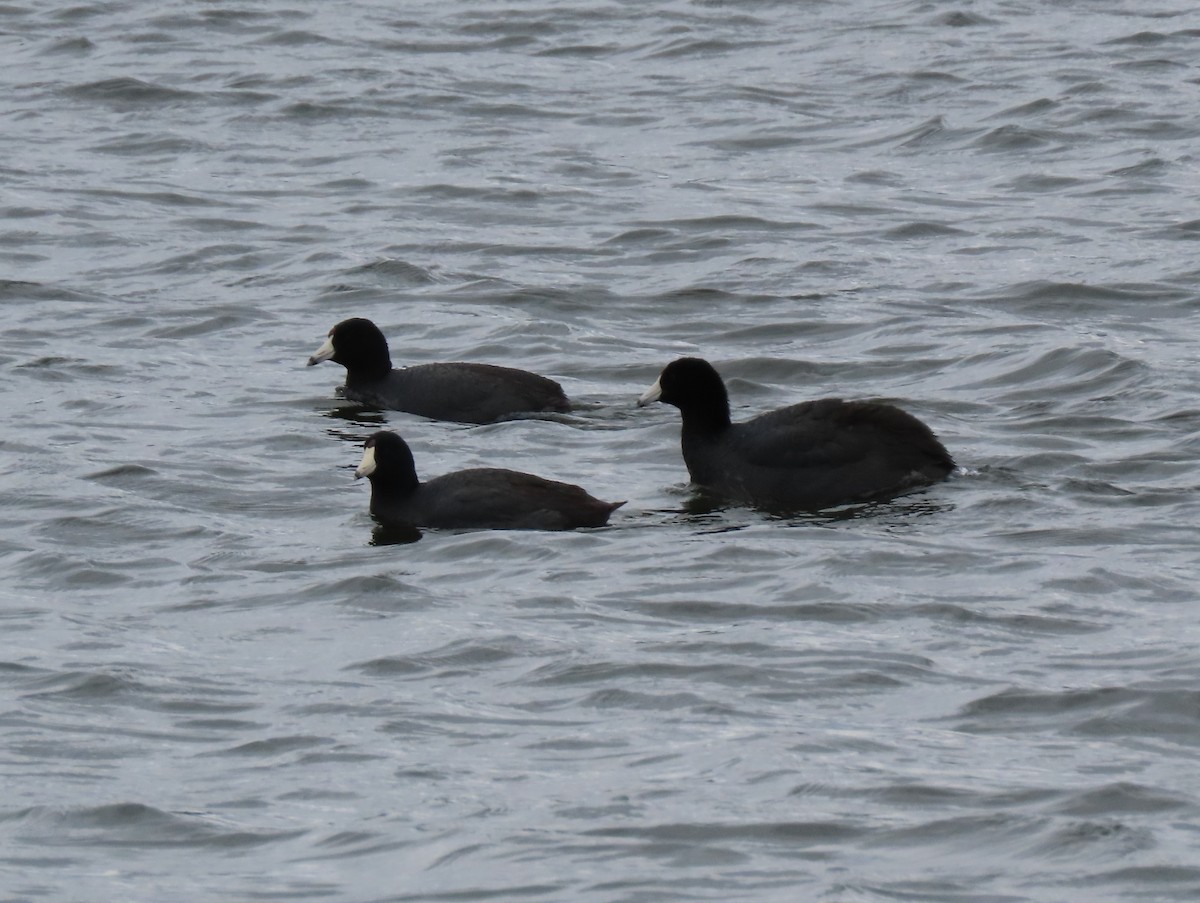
<point>223,683</point>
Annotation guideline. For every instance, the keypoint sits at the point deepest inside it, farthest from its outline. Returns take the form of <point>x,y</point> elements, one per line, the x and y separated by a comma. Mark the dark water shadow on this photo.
<point>395,535</point>
<point>357,414</point>
<point>707,509</point>
<point>586,416</point>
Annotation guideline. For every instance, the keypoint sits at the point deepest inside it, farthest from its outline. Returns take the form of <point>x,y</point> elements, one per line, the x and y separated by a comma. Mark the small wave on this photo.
<point>72,46</point>
<point>317,111</point>
<point>394,272</point>
<point>1044,296</point>
<point>1154,166</point>
<point>919,230</point>
<point>1042,183</point>
<point>459,657</point>
<point>17,290</point>
<point>792,835</point>
<point>1010,138</point>
<point>705,47</point>
<point>274,747</point>
<point>131,92</point>
<point>1121,798</point>
<point>1070,371</point>
<point>1099,712</point>
<point>134,825</point>
<point>963,19</point>
<point>296,38</point>
<point>582,51</point>
<point>1141,39</point>
<point>84,685</point>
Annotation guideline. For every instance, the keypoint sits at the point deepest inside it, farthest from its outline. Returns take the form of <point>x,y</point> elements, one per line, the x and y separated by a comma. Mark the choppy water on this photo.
<point>217,688</point>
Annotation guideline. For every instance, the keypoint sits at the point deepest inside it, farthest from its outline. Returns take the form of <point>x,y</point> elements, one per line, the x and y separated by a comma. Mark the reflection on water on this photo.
<point>364,416</point>
<point>394,535</point>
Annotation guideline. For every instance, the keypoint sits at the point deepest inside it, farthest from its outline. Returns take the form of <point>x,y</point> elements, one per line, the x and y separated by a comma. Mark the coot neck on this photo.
<point>370,371</point>
<point>706,419</point>
<point>390,485</point>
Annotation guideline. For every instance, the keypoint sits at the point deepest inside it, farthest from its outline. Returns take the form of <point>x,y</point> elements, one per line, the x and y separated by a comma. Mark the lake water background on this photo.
<point>220,684</point>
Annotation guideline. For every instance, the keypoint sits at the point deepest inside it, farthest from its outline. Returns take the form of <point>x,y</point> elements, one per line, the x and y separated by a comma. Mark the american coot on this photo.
<point>464,393</point>
<point>481,498</point>
<point>808,456</point>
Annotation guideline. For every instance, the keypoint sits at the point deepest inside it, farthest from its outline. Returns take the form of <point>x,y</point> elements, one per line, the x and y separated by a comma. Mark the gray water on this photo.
<point>221,684</point>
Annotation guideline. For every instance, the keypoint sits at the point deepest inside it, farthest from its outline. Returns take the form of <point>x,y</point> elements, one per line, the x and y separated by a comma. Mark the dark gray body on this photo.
<point>460,392</point>
<point>481,498</point>
<point>491,498</point>
<point>815,455</point>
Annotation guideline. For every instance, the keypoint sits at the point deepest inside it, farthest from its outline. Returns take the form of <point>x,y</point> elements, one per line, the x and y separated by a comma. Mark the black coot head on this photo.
<point>694,386</point>
<point>387,461</point>
<point>358,345</point>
